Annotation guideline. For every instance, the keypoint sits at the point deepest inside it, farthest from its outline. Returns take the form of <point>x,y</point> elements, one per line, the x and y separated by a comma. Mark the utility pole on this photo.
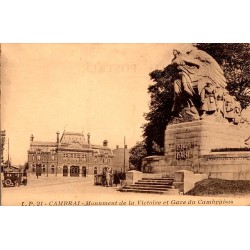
<point>88,156</point>
<point>124,161</point>
<point>56,160</point>
<point>8,154</point>
<point>47,158</point>
<point>57,148</point>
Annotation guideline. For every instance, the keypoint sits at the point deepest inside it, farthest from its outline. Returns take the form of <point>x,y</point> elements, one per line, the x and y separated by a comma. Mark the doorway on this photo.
<point>74,171</point>
<point>84,171</point>
<point>65,170</point>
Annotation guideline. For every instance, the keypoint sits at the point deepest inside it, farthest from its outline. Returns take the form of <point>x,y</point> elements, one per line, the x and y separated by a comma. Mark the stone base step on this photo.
<point>159,179</point>
<point>155,182</point>
<point>150,185</point>
<point>147,187</point>
<point>150,191</point>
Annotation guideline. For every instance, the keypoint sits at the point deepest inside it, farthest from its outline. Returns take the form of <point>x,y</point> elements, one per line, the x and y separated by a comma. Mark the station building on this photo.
<point>71,155</point>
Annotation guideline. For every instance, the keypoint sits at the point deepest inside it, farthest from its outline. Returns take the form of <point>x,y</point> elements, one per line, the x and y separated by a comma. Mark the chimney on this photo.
<point>88,135</point>
<point>105,143</point>
<point>117,146</point>
<point>57,136</point>
<point>31,137</point>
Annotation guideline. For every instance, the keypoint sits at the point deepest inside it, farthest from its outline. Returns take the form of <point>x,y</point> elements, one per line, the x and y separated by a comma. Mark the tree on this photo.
<point>161,94</point>
<point>137,153</point>
<point>234,60</point>
<point>26,166</point>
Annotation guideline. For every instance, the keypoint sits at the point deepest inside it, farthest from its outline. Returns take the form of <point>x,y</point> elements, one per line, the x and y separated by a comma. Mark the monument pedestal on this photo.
<point>192,146</point>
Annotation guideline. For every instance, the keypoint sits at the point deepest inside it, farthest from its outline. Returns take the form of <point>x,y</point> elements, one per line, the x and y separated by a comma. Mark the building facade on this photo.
<point>121,159</point>
<point>70,155</point>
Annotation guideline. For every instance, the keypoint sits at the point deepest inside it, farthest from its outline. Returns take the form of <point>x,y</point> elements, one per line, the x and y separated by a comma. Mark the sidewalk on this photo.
<point>52,180</point>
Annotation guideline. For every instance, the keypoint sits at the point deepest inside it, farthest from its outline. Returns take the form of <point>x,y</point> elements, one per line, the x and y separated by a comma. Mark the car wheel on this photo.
<point>8,182</point>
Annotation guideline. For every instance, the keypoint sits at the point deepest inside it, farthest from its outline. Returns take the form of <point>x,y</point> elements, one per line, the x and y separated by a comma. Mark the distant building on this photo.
<point>70,155</point>
<point>119,161</point>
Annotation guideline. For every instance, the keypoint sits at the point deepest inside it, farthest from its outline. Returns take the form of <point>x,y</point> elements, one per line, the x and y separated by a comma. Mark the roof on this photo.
<point>74,145</point>
<point>72,133</point>
<point>42,143</point>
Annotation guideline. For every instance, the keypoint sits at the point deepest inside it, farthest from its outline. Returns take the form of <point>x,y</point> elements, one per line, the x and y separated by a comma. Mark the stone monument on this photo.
<point>205,134</point>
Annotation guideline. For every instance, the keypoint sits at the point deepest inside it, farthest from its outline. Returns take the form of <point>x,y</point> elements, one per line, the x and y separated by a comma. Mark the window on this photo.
<point>84,158</point>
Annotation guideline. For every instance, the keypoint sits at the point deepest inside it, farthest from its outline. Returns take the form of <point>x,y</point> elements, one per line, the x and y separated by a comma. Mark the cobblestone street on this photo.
<point>68,191</point>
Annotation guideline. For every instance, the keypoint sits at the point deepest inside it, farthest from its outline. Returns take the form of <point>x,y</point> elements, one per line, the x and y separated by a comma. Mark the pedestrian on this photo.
<point>104,177</point>
<point>108,175</point>
<point>121,176</point>
<point>116,178</point>
<point>111,176</point>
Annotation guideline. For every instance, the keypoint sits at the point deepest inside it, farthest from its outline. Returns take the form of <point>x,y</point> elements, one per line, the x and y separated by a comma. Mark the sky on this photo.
<point>99,89</point>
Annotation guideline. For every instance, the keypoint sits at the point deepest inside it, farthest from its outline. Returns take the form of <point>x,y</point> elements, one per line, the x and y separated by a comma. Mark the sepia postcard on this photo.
<point>125,124</point>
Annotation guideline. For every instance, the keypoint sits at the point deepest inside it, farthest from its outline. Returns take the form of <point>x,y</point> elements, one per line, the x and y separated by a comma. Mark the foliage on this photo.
<point>26,166</point>
<point>234,60</point>
<point>219,187</point>
<point>161,94</point>
<point>137,153</point>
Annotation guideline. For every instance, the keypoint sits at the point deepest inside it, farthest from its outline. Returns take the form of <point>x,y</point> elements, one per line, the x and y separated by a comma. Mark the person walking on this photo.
<point>116,178</point>
<point>104,177</point>
<point>108,177</point>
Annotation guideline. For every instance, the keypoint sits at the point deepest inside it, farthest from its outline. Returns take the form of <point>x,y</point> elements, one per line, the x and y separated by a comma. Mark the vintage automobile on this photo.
<point>14,179</point>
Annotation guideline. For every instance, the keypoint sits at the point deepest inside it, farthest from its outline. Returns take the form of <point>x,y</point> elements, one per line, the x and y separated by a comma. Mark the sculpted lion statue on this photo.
<point>196,69</point>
